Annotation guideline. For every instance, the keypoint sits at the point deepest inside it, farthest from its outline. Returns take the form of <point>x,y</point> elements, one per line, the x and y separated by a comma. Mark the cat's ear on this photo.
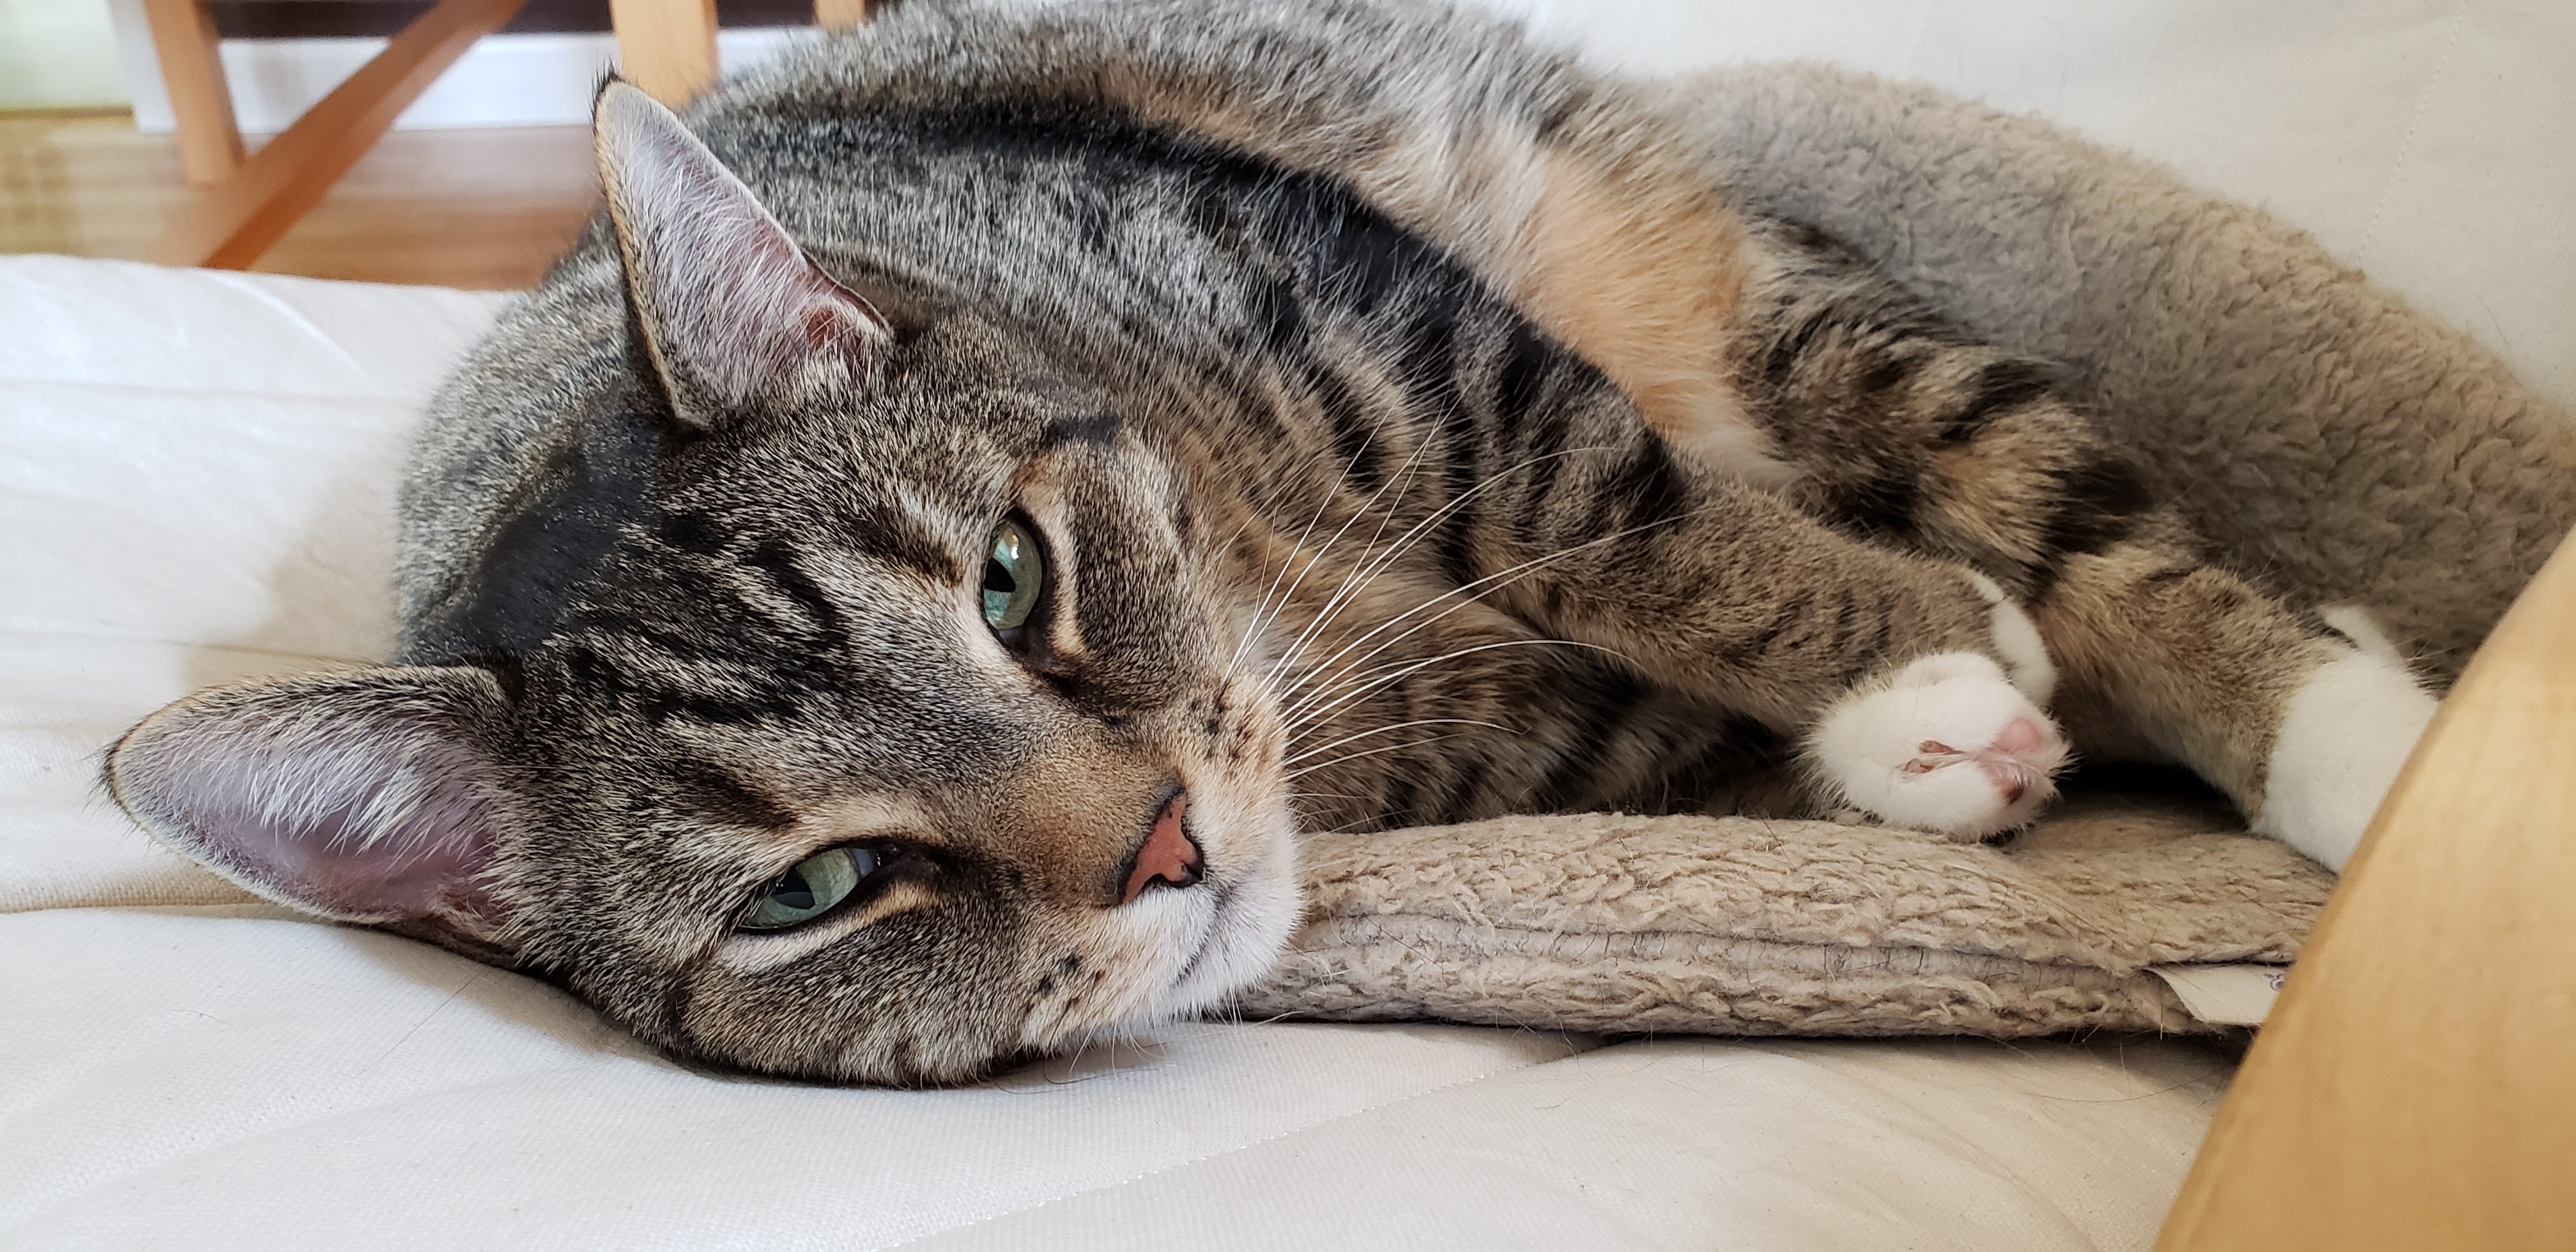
<point>732,311</point>
<point>366,796</point>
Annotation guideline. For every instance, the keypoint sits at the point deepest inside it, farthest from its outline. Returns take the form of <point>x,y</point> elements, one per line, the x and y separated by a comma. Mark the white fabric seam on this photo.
<point>261,293</point>
<point>1245,1146</point>
<point>57,1203</point>
<point>406,402</point>
<point>47,634</point>
<point>2414,126</point>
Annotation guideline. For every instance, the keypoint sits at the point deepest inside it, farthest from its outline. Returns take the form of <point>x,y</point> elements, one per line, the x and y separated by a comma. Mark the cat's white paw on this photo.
<point>1947,745</point>
<point>2349,729</point>
<point>2017,639</point>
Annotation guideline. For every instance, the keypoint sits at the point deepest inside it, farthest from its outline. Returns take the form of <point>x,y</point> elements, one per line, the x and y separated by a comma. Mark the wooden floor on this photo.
<point>462,208</point>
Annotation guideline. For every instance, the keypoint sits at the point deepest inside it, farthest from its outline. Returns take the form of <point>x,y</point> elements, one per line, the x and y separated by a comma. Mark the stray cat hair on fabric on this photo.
<point>887,603</point>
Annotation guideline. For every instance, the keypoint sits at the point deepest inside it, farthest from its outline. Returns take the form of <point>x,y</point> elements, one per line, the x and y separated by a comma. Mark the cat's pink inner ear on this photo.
<point>733,310</point>
<point>362,797</point>
<point>351,837</point>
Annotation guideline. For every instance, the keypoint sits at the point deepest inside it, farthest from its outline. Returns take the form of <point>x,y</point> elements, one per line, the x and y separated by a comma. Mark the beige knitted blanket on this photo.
<point>1736,925</point>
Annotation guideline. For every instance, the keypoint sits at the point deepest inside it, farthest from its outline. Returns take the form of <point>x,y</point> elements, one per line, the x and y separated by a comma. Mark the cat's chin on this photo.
<point>1254,915</point>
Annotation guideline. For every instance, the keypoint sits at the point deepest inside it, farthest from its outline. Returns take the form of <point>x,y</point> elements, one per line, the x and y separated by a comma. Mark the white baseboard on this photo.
<point>503,80</point>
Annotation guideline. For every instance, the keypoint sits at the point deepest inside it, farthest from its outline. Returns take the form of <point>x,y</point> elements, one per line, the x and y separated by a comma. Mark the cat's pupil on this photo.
<point>998,580</point>
<point>793,891</point>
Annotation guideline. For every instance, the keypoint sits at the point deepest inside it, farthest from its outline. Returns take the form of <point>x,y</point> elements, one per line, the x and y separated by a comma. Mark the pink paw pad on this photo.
<point>1948,746</point>
<point>2013,761</point>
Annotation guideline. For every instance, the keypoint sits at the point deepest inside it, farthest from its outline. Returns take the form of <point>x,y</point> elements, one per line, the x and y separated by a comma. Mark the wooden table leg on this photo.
<point>842,14</point>
<point>201,102</point>
<point>666,47</point>
<point>228,226</point>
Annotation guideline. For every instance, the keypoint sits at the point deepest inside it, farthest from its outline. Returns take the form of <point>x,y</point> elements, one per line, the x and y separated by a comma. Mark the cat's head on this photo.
<point>898,732</point>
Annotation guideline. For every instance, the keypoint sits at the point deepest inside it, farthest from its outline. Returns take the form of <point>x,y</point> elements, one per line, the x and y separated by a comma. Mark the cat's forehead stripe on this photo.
<point>718,794</point>
<point>909,532</point>
<point>872,815</point>
<point>1090,428</point>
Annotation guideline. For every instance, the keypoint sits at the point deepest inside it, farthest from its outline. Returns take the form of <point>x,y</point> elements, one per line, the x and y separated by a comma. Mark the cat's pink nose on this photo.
<point>1167,856</point>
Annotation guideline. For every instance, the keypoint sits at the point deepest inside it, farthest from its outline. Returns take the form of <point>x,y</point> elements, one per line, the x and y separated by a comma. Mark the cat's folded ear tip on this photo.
<point>619,103</point>
<point>614,88</point>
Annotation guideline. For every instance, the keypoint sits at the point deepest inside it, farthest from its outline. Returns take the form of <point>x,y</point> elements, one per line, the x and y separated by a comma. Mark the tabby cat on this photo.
<point>887,602</point>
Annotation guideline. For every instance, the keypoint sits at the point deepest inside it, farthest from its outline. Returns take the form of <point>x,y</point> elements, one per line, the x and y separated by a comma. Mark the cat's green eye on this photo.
<point>1014,573</point>
<point>810,889</point>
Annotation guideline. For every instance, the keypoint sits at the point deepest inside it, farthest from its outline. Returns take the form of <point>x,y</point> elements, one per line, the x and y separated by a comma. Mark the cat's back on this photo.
<point>919,141</point>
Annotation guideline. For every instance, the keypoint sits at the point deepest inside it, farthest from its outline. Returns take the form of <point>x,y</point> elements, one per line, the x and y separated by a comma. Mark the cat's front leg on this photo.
<point>1954,742</point>
<point>2166,656</point>
<point>1915,687</point>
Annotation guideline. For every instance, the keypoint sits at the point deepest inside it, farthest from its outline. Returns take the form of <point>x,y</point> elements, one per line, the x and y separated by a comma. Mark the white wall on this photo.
<point>58,54</point>
<point>2430,142</point>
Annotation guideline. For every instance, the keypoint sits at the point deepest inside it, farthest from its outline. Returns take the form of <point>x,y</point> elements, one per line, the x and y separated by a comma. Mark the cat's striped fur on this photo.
<point>1413,433</point>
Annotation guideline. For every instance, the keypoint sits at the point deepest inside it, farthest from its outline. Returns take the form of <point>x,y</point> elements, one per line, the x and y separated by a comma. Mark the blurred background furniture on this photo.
<point>242,205</point>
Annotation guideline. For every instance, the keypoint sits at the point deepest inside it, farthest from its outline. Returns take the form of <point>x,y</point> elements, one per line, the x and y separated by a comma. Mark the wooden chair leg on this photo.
<point>841,14</point>
<point>666,47</point>
<point>201,102</point>
<point>228,226</point>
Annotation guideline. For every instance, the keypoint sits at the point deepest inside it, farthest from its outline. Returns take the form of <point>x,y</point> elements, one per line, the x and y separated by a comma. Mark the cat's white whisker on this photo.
<point>1499,579</point>
<point>1334,604</point>
<point>1254,629</point>
<point>1375,566</point>
<point>1268,612</point>
<point>1344,760</point>
<point>1404,669</point>
<point>1403,472</point>
<point>1395,726</point>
